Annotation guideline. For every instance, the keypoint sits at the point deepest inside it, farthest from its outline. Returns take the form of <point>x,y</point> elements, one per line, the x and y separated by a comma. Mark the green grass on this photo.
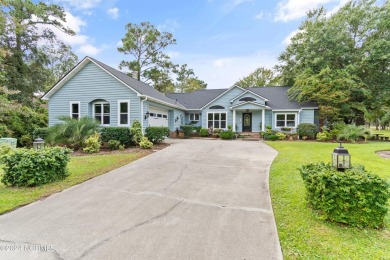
<point>301,234</point>
<point>384,132</point>
<point>81,168</point>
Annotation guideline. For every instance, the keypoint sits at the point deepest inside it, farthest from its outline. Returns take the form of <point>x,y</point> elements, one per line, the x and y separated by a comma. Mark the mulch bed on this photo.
<point>384,154</point>
<point>105,151</point>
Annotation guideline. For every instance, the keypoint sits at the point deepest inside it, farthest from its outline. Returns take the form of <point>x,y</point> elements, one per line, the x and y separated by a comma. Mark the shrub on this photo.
<point>121,147</point>
<point>41,132</point>
<point>281,136</point>
<point>92,144</point>
<point>4,131</point>
<point>204,132</point>
<point>271,137</point>
<point>136,131</point>
<point>355,197</point>
<point>353,133</point>
<point>157,134</point>
<point>196,129</point>
<point>114,144</point>
<point>72,132</point>
<point>230,127</point>
<point>324,136</point>
<point>268,127</point>
<point>227,135</point>
<point>287,129</point>
<point>306,129</point>
<point>5,149</point>
<point>27,167</point>
<point>187,130</point>
<point>120,134</point>
<point>145,143</point>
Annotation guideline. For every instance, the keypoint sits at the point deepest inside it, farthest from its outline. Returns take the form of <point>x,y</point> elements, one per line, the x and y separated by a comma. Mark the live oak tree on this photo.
<point>261,77</point>
<point>341,61</point>
<point>26,26</point>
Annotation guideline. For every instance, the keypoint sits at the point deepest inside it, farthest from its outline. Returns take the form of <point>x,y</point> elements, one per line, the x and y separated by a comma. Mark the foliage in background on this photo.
<point>261,77</point>
<point>354,197</point>
<point>121,134</point>
<point>341,61</point>
<point>353,133</point>
<point>92,144</point>
<point>72,132</point>
<point>28,167</point>
<point>136,131</point>
<point>5,149</point>
<point>157,134</point>
<point>145,143</point>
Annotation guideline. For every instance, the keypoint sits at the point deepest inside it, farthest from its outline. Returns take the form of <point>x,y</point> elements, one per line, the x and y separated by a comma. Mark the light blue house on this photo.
<point>94,89</point>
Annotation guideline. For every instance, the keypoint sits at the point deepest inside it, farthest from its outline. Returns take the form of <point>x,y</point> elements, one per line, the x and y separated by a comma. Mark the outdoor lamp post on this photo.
<point>39,144</point>
<point>341,159</point>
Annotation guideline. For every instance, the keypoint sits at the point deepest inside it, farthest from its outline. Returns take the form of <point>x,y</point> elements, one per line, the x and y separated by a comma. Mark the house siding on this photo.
<point>89,84</point>
<point>306,116</point>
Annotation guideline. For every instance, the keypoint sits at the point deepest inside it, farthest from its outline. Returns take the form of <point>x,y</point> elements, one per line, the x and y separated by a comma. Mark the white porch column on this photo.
<point>263,120</point>
<point>234,120</point>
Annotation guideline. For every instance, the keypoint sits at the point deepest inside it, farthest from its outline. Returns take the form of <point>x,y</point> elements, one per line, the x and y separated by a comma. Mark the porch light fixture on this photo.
<point>176,119</point>
<point>39,144</point>
<point>341,159</point>
<point>147,115</point>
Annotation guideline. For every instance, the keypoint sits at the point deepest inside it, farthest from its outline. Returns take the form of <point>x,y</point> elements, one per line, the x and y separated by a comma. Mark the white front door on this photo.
<point>158,117</point>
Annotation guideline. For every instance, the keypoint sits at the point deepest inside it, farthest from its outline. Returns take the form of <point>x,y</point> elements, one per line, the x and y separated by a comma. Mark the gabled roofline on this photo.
<point>73,72</point>
<point>248,91</point>
<point>250,102</point>
<point>181,107</point>
<point>223,93</point>
<point>310,108</point>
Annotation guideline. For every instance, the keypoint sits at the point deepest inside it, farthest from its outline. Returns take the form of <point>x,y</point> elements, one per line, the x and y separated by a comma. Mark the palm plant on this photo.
<point>72,132</point>
<point>353,133</point>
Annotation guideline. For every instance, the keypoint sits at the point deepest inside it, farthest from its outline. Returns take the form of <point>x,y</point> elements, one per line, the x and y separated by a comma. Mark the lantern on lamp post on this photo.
<point>341,159</point>
<point>39,144</point>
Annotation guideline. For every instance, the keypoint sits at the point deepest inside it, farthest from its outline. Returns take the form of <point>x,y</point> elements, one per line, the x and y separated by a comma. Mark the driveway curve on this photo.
<point>196,199</point>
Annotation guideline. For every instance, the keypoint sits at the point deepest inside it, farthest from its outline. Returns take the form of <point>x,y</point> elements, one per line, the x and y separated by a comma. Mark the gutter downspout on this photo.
<point>142,113</point>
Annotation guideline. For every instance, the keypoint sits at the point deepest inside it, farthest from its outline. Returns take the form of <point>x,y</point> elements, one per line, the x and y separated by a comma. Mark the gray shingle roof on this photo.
<point>196,99</point>
<point>138,86</point>
<point>277,96</point>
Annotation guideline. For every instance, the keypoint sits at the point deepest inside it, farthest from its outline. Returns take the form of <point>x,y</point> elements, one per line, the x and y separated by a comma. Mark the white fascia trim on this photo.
<point>162,102</point>
<point>70,108</point>
<point>223,93</point>
<point>128,112</point>
<point>303,108</point>
<point>286,110</point>
<point>249,102</point>
<point>248,91</point>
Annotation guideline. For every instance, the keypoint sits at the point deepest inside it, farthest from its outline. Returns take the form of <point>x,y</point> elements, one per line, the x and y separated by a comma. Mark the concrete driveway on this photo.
<point>197,199</point>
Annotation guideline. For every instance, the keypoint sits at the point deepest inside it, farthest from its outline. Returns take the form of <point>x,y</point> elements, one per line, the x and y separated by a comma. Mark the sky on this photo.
<point>221,40</point>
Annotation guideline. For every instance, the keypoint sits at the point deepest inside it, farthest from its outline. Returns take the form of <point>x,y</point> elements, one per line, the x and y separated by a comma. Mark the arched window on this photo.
<point>247,99</point>
<point>217,107</point>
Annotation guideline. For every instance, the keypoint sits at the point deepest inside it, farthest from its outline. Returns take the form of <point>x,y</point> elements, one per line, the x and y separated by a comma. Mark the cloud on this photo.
<point>89,50</point>
<point>223,72</point>
<point>230,5</point>
<point>262,15</point>
<point>289,10</point>
<point>173,54</point>
<point>287,40</point>
<point>80,4</point>
<point>113,12</point>
<point>170,25</point>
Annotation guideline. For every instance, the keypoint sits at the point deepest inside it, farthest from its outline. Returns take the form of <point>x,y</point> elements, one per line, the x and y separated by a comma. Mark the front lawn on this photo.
<point>302,236</point>
<point>81,168</point>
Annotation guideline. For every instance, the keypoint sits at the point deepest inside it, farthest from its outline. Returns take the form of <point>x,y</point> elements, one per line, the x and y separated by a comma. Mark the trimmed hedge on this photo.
<point>187,130</point>
<point>354,197</point>
<point>204,132</point>
<point>306,129</point>
<point>41,132</point>
<point>27,167</point>
<point>157,134</point>
<point>121,134</point>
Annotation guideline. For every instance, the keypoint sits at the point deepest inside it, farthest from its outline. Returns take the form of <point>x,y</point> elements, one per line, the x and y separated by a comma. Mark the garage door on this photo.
<point>158,117</point>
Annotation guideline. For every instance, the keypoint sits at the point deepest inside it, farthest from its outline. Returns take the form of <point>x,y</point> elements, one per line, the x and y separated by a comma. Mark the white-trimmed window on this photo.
<point>123,112</point>
<point>285,120</point>
<point>75,109</point>
<point>194,117</point>
<point>101,112</point>
<point>216,120</point>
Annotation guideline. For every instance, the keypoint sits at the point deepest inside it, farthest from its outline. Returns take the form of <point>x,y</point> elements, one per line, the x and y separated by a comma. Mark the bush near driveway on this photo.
<point>354,197</point>
<point>121,134</point>
<point>27,167</point>
<point>157,134</point>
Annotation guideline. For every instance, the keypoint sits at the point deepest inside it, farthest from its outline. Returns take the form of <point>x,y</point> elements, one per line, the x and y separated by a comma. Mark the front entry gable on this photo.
<point>248,96</point>
<point>224,99</point>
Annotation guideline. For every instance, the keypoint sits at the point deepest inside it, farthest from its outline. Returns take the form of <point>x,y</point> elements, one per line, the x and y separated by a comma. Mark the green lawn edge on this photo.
<point>81,169</point>
<point>301,234</point>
